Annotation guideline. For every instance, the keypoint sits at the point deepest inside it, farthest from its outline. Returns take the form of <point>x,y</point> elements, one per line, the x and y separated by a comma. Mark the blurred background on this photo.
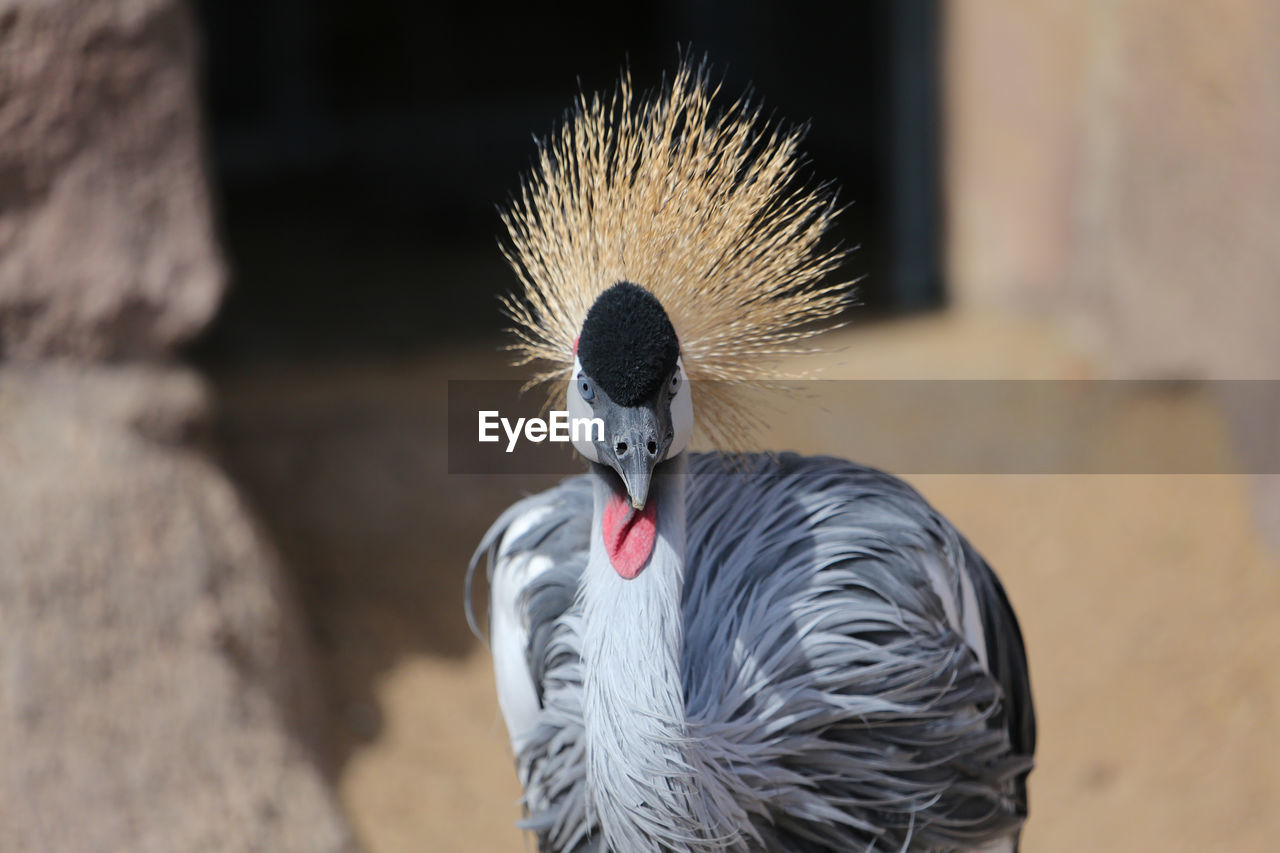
<point>245,246</point>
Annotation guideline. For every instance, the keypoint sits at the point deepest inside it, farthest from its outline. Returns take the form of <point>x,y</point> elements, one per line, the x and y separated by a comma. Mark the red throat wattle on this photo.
<point>629,534</point>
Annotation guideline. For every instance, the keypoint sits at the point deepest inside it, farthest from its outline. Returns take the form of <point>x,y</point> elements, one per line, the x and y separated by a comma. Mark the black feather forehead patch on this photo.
<point>628,346</point>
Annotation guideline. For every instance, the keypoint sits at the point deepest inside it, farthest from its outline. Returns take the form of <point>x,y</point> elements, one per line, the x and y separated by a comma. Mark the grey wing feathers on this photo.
<point>829,629</point>
<point>1007,661</point>
<point>553,525</point>
<point>537,551</point>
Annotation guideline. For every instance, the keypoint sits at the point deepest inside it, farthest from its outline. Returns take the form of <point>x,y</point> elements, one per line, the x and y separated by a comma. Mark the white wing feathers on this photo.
<point>508,623</point>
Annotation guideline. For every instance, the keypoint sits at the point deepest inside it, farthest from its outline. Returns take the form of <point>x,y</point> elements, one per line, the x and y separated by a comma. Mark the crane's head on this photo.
<point>705,208</point>
<point>628,372</point>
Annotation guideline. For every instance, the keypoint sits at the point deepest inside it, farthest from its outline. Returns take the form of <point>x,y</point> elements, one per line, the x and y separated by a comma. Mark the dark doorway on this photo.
<point>360,149</point>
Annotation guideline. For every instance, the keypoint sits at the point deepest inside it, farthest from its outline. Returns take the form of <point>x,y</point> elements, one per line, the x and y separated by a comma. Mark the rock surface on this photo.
<point>1114,163</point>
<point>155,687</point>
<point>106,237</point>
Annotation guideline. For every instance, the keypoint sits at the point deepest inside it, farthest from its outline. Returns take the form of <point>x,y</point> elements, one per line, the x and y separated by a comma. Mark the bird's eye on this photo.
<point>585,388</point>
<point>674,384</point>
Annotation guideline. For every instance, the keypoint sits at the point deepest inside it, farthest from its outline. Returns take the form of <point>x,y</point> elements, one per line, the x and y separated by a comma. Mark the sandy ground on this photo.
<point>1149,603</point>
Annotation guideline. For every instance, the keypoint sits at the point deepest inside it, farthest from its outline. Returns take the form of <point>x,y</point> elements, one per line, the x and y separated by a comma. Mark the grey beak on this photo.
<point>636,443</point>
<point>637,473</point>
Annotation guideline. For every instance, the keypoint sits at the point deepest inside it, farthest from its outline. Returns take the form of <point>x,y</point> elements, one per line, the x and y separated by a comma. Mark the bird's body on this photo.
<point>700,652</point>
<point>850,674</point>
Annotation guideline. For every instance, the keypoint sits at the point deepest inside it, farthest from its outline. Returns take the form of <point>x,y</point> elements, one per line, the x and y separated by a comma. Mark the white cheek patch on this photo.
<point>681,414</point>
<point>580,408</point>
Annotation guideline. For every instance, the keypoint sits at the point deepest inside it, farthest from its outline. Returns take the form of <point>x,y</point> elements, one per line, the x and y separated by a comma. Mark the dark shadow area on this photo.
<point>360,149</point>
<point>360,152</point>
<point>345,465</point>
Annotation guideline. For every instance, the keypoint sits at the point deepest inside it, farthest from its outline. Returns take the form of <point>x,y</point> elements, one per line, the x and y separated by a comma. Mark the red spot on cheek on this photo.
<point>575,346</point>
<point>629,534</point>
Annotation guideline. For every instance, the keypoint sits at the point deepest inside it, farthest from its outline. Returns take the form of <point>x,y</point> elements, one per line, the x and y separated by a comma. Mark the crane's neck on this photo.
<point>638,765</point>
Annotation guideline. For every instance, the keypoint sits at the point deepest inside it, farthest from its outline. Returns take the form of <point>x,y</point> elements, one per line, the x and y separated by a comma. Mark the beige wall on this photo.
<point>1117,163</point>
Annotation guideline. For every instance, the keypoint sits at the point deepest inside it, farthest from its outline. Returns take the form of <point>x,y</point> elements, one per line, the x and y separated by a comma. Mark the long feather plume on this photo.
<point>705,209</point>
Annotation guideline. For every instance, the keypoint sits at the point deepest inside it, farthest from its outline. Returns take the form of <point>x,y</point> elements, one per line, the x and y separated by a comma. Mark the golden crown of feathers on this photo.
<point>706,211</point>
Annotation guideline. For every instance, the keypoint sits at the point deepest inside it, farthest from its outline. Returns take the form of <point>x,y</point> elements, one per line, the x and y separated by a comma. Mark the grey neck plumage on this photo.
<point>642,764</point>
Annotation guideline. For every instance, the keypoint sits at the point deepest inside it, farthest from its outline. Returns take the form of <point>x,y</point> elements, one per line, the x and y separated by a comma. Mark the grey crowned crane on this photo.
<point>726,651</point>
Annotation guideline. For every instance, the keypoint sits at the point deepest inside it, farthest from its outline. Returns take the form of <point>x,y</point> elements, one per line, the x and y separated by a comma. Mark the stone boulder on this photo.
<point>155,687</point>
<point>107,247</point>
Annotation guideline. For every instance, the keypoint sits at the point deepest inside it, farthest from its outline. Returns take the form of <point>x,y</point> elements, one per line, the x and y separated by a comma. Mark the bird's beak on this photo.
<point>636,442</point>
<point>636,475</point>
